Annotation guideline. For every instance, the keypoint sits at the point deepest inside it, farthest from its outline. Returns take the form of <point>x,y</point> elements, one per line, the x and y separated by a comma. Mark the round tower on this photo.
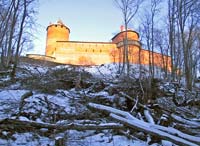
<point>133,45</point>
<point>55,32</point>
<point>131,35</point>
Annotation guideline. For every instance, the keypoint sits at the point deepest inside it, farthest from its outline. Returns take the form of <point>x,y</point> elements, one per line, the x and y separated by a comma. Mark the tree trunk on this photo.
<point>19,39</point>
<point>162,132</point>
<point>18,125</point>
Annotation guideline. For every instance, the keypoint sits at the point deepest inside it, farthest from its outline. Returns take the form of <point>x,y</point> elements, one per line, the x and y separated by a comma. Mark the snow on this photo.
<point>167,143</point>
<point>11,94</point>
<point>166,132</point>
<point>26,139</point>
<point>9,101</point>
<point>35,68</point>
<point>143,125</point>
<point>102,93</point>
<point>23,118</point>
<point>7,78</point>
<point>61,67</point>
<point>10,98</point>
<point>111,70</point>
<point>101,139</point>
<point>149,117</point>
<point>29,139</point>
<point>182,120</point>
<point>108,70</point>
<point>172,90</point>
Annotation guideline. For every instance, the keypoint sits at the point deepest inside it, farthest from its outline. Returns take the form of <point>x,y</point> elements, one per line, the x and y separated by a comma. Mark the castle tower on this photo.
<point>55,32</point>
<point>133,45</point>
<point>131,36</point>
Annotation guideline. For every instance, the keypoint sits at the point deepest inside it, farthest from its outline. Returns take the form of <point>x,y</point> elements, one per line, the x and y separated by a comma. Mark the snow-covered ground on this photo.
<point>9,103</point>
<point>10,98</point>
<point>62,102</point>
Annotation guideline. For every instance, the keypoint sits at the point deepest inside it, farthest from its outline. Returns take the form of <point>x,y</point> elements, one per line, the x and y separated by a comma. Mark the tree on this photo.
<point>148,29</point>
<point>7,23</point>
<point>171,32</point>
<point>188,19</point>
<point>129,9</point>
<point>149,26</point>
<point>161,44</point>
<point>183,23</point>
<point>16,20</point>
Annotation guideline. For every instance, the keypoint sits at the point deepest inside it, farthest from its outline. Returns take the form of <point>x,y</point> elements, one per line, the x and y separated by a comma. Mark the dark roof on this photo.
<point>124,31</point>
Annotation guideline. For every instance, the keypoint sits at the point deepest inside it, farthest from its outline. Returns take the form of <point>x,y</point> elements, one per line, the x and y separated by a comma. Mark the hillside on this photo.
<point>54,104</point>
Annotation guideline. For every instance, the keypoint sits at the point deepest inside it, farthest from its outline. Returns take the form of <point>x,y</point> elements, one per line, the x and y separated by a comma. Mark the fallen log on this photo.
<point>185,121</point>
<point>167,133</point>
<point>16,125</point>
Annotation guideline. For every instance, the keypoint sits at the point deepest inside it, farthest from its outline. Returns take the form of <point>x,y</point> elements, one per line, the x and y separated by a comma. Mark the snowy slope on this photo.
<point>65,104</point>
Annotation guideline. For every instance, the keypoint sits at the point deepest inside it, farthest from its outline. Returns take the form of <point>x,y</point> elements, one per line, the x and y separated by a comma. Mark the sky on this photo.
<point>88,20</point>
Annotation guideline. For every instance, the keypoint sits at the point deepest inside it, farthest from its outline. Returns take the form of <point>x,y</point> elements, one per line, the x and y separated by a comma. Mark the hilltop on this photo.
<point>56,104</point>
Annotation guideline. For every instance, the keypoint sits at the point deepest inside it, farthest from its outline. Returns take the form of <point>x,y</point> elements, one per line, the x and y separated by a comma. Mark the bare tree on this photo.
<point>171,31</point>
<point>188,19</point>
<point>162,44</point>
<point>129,9</point>
<point>183,22</point>
<point>15,20</point>
<point>21,26</point>
<point>174,41</point>
<point>149,28</point>
<point>146,24</point>
<point>7,23</point>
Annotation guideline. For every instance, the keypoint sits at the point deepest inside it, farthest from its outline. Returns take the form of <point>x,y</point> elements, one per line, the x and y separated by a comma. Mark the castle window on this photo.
<point>56,25</point>
<point>85,50</point>
<point>100,50</point>
<point>93,50</point>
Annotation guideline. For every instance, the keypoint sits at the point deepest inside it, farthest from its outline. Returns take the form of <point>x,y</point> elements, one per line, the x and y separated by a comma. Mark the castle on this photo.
<point>61,50</point>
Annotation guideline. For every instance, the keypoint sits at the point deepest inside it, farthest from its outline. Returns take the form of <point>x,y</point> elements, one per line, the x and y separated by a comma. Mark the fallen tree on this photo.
<point>195,124</point>
<point>25,126</point>
<point>167,133</point>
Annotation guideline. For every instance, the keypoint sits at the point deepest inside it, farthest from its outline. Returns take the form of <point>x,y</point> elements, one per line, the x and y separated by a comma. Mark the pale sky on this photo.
<point>88,20</point>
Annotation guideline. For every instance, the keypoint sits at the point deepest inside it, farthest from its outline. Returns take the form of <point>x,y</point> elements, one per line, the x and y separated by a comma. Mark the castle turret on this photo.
<point>132,42</point>
<point>56,32</point>
<point>131,36</point>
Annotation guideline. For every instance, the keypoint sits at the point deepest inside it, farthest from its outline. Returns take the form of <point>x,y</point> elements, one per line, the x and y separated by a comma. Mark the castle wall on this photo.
<point>64,51</point>
<point>137,56</point>
<point>84,53</point>
<point>97,53</point>
<point>160,60</point>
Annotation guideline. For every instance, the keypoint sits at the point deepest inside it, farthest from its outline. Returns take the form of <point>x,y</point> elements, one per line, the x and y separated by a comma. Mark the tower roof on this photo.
<point>58,23</point>
<point>123,32</point>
